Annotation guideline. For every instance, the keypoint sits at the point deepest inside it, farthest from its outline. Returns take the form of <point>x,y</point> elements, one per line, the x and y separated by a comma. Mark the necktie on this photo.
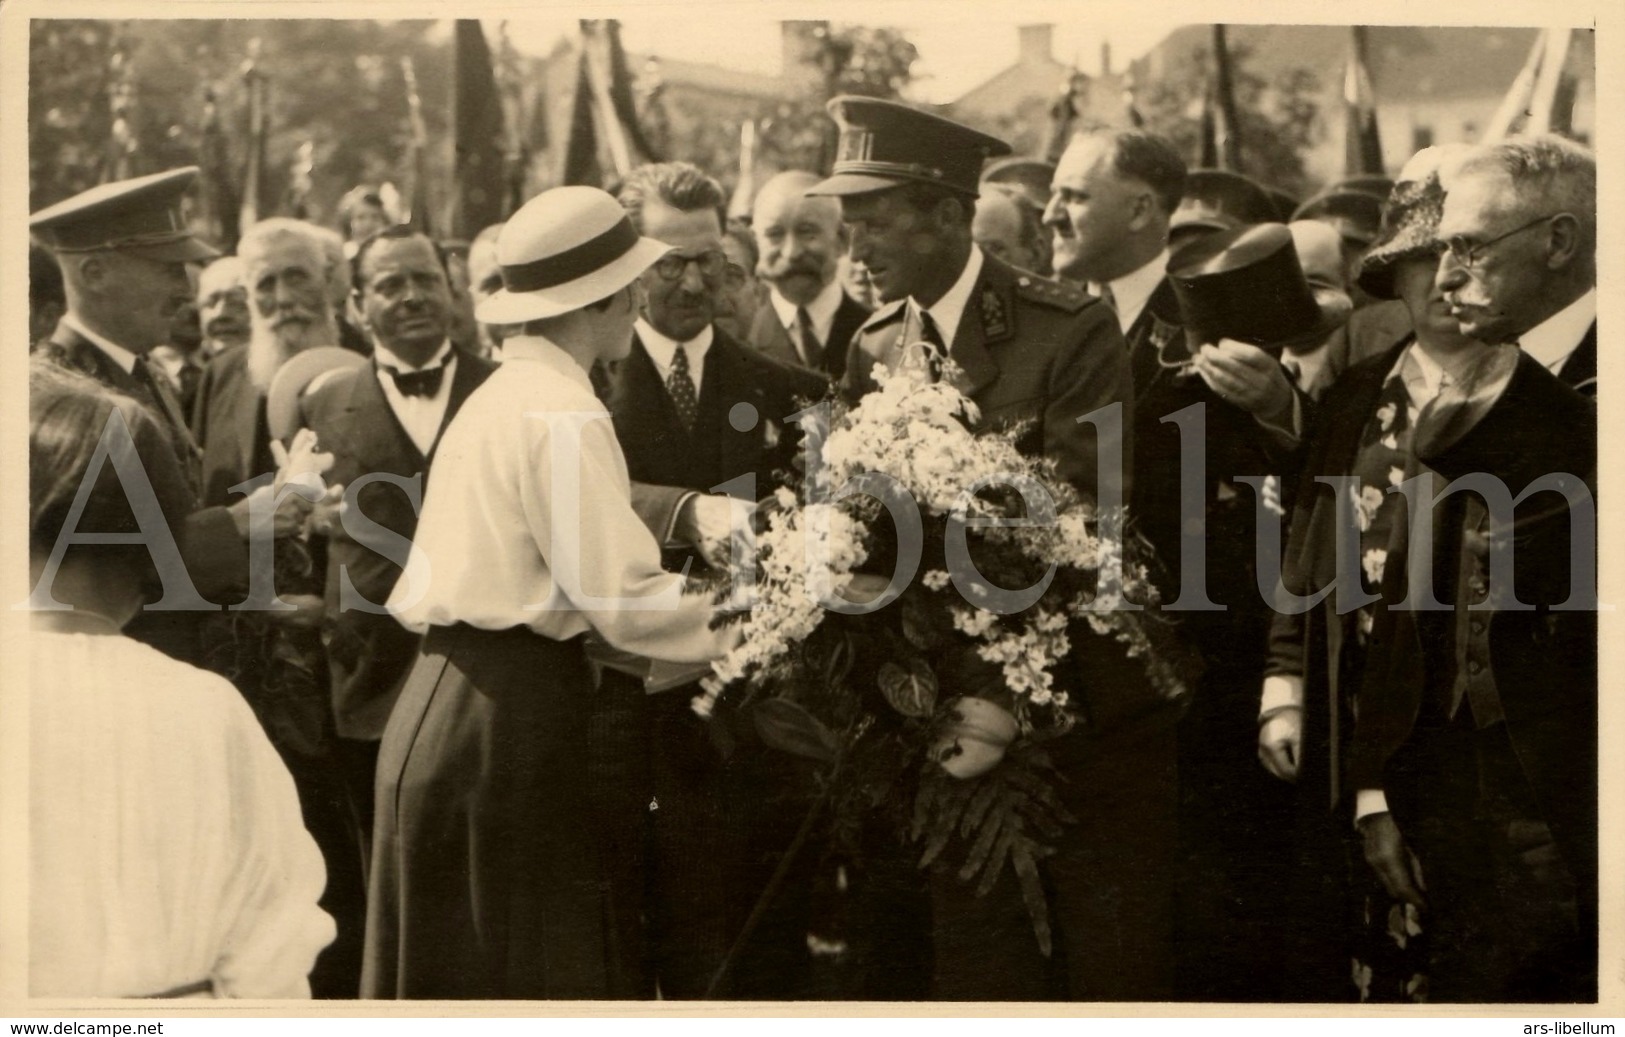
<point>159,389</point>
<point>812,351</point>
<point>1381,465</point>
<point>418,383</point>
<point>189,377</point>
<point>929,332</point>
<point>681,387</point>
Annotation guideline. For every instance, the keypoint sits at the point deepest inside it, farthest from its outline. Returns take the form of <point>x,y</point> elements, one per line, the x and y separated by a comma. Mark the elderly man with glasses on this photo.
<point>703,421</point>
<point>1520,264</point>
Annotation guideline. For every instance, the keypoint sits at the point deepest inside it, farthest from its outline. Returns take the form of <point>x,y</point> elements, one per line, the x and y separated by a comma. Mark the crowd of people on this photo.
<point>375,734</point>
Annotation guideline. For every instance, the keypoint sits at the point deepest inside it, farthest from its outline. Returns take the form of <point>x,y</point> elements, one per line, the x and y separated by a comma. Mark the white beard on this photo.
<point>269,348</point>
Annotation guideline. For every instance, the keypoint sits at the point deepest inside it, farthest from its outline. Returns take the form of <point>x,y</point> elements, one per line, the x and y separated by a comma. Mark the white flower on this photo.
<point>1373,562</point>
<point>1385,416</point>
<point>936,579</point>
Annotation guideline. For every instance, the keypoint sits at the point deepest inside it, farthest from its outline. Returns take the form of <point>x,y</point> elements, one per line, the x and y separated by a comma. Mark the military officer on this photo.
<point>1025,350</point>
<point>124,248</point>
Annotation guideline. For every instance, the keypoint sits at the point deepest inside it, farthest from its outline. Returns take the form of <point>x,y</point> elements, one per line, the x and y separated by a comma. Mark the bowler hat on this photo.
<point>142,217</point>
<point>885,143</point>
<point>1246,284</point>
<point>1356,215</point>
<point>563,249</point>
<point>1217,199</point>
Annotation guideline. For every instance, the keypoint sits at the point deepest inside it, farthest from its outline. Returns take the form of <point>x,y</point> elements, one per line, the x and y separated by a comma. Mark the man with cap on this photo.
<point>123,248</point>
<point>488,880</point>
<point>1025,350</point>
<point>1520,223</point>
<point>1115,195</point>
<point>809,319</point>
<point>1493,791</point>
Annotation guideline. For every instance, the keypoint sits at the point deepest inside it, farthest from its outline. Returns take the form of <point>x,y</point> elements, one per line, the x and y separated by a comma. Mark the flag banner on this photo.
<point>1362,143</point>
<point>478,136</point>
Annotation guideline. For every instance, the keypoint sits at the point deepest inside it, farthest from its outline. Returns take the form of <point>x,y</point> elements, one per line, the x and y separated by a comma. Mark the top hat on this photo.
<point>884,144</point>
<point>1217,199</point>
<point>1356,214</point>
<point>1029,176</point>
<point>563,249</point>
<point>1247,284</point>
<point>142,217</point>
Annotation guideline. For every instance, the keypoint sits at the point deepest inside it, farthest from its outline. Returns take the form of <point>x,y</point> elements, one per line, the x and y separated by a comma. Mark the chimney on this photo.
<point>1036,43</point>
<point>1105,58</point>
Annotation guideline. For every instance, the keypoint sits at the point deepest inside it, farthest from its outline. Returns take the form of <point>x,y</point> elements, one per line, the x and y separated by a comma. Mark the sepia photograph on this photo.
<point>907,505</point>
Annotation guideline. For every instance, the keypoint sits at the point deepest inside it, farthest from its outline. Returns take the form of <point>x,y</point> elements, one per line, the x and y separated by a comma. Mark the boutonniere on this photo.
<point>770,434</point>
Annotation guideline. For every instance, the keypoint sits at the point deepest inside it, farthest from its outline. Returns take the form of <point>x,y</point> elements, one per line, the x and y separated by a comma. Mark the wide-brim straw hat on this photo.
<point>562,250</point>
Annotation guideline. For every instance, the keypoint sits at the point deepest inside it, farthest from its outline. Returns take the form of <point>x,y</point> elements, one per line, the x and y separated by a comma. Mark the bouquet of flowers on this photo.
<point>934,700</point>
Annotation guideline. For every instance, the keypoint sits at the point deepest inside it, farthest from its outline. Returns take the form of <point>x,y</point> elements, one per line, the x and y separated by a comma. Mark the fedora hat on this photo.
<point>1247,284</point>
<point>562,250</point>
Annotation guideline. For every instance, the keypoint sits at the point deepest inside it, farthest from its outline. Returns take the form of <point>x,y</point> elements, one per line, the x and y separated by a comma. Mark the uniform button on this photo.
<point>1477,626</point>
<point>1024,282</point>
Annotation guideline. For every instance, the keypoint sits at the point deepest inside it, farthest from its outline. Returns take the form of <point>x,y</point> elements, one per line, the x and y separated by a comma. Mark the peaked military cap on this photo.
<point>1030,176</point>
<point>142,216</point>
<point>884,143</point>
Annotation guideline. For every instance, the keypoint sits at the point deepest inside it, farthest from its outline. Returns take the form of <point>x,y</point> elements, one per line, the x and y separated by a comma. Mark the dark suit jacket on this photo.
<point>1544,661</point>
<point>228,419</point>
<point>1580,370</point>
<point>1029,350</point>
<point>768,335</point>
<point>1234,444</point>
<point>368,653</point>
<point>215,555</point>
<point>670,461</point>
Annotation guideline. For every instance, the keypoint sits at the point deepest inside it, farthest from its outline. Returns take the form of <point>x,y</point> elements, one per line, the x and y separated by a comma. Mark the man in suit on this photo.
<point>381,421</point>
<point>276,658</point>
<point>1114,197</point>
<point>703,422</point>
<point>1007,228</point>
<point>1520,220</point>
<point>1469,729</point>
<point>123,249</point>
<point>1031,351</point>
<point>810,318</point>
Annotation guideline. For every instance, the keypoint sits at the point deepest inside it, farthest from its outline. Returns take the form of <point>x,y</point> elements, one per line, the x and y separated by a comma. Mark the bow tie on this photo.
<point>418,383</point>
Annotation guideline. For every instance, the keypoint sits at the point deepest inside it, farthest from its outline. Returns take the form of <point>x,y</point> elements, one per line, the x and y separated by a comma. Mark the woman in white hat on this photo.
<point>486,881</point>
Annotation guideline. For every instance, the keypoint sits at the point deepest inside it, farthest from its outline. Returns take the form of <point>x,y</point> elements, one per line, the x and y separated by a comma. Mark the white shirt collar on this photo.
<point>118,354</point>
<point>387,357</point>
<point>947,311</point>
<point>1424,376</point>
<point>1133,290</point>
<point>662,349</point>
<point>821,309</point>
<point>540,350</point>
<point>1555,339</point>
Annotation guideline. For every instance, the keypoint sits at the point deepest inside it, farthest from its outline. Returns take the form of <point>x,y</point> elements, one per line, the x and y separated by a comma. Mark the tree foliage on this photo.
<point>337,84</point>
<point>1279,117</point>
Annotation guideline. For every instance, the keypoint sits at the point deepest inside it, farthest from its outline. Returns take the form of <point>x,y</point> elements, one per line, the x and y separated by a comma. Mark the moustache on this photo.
<point>803,267</point>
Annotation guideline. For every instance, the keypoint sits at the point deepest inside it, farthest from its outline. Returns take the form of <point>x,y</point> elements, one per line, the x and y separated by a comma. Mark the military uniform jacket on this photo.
<point>214,552</point>
<point>1028,350</point>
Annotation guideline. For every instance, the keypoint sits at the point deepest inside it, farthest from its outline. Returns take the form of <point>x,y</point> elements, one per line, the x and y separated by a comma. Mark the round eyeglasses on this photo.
<point>1469,254</point>
<point>713,263</point>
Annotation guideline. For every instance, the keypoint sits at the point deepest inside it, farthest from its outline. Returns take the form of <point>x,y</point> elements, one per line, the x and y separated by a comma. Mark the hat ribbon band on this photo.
<point>573,263</point>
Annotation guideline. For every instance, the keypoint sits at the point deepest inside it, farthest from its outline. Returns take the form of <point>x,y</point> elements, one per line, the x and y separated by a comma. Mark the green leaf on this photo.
<point>911,689</point>
<point>788,727</point>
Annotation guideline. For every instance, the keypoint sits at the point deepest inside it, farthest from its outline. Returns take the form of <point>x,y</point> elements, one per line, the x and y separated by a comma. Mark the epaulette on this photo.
<point>885,315</point>
<point>1053,293</point>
